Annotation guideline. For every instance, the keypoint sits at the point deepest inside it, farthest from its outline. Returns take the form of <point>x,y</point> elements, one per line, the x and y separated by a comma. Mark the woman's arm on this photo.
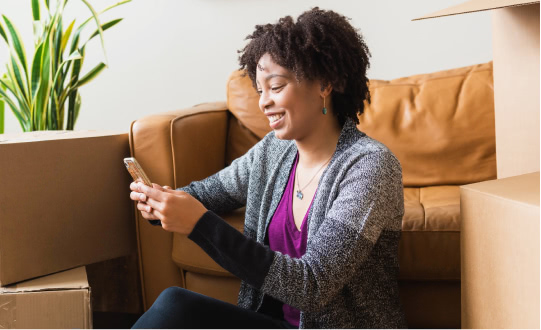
<point>369,201</point>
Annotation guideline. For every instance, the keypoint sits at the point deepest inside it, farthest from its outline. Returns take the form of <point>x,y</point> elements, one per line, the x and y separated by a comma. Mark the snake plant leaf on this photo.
<point>35,10</point>
<point>38,90</point>
<point>73,109</point>
<point>42,97</point>
<point>6,84</point>
<point>74,56</point>
<point>66,37</point>
<point>96,19</point>
<point>17,43</point>
<point>57,43</point>
<point>36,70</point>
<point>75,39</point>
<point>77,106</point>
<point>15,74</point>
<point>5,97</point>
<point>90,75</point>
<point>104,27</point>
<point>5,81</point>
<point>3,33</point>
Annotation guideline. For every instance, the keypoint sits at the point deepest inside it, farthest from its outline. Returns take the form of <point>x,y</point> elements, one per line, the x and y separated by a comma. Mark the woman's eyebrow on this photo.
<point>273,75</point>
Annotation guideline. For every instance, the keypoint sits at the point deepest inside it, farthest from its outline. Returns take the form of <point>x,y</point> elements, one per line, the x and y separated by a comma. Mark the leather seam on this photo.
<point>391,84</point>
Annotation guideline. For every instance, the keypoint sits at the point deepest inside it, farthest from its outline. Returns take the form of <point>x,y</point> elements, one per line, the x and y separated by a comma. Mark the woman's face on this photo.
<point>293,108</point>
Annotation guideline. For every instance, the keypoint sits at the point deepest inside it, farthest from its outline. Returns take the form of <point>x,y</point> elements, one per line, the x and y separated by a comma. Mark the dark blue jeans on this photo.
<point>178,308</point>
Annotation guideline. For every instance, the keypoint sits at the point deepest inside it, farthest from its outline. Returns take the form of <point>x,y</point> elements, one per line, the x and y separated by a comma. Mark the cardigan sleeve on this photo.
<point>369,201</point>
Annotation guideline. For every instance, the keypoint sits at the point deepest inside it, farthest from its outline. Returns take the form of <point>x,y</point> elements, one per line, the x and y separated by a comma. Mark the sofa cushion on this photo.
<point>430,244</point>
<point>439,125</point>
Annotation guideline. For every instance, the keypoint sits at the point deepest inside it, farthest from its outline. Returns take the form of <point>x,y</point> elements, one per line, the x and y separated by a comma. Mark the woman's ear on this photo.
<point>326,89</point>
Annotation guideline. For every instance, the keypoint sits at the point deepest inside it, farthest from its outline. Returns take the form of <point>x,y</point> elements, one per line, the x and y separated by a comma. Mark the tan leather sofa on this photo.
<point>439,125</point>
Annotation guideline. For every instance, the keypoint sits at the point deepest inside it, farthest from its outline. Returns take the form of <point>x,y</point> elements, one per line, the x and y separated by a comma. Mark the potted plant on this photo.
<point>38,90</point>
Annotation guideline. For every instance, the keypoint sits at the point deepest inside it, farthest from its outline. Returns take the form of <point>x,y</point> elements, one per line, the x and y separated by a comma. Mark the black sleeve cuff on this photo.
<point>238,254</point>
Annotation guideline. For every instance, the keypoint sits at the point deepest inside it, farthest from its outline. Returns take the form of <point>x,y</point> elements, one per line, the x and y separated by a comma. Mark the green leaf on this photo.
<point>13,107</point>
<point>17,43</point>
<point>57,43</point>
<point>100,31</point>
<point>72,57</point>
<point>3,33</point>
<point>74,105</point>
<point>90,75</point>
<point>103,27</point>
<point>15,75</point>
<point>66,36</point>
<point>35,9</point>
<point>36,70</point>
<point>53,111</point>
<point>77,108</point>
<point>75,39</point>
<point>39,113</point>
<point>23,107</point>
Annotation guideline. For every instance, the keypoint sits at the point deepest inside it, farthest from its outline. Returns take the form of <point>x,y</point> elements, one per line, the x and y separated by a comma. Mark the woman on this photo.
<point>324,202</point>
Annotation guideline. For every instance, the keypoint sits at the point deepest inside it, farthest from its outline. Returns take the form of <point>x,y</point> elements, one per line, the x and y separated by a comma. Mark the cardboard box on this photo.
<point>515,34</point>
<point>64,202</point>
<point>60,300</point>
<point>500,253</point>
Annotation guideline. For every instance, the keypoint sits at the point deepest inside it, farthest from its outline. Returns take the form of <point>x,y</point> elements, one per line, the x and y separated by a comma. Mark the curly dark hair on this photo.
<point>321,45</point>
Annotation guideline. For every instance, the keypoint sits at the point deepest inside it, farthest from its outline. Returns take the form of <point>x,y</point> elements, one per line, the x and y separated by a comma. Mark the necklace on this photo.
<point>299,194</point>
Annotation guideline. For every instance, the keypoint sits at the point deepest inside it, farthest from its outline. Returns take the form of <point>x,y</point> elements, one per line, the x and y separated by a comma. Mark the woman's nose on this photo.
<point>264,101</point>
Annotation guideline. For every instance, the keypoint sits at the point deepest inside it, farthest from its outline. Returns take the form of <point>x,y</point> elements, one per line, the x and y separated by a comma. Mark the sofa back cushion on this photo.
<point>439,125</point>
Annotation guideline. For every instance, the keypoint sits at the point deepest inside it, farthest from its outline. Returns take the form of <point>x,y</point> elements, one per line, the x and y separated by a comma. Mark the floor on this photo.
<point>106,320</point>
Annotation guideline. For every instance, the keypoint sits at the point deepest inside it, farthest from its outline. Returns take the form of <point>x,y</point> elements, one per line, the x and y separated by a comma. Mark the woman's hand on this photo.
<point>177,210</point>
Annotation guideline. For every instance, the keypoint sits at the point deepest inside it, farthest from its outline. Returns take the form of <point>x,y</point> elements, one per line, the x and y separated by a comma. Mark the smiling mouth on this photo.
<point>275,118</point>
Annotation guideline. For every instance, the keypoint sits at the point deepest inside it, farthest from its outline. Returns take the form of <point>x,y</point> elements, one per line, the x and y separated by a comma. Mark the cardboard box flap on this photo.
<point>53,135</point>
<point>475,6</point>
<point>522,189</point>
<point>67,280</point>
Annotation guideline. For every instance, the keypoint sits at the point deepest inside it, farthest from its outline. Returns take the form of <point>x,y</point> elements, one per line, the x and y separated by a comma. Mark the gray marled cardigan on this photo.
<point>348,276</point>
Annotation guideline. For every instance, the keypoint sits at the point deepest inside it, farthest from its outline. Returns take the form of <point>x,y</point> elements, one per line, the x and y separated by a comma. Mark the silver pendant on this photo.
<point>299,194</point>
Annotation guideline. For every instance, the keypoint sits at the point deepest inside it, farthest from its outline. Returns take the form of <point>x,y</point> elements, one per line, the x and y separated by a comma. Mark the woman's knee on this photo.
<point>167,311</point>
<point>172,296</point>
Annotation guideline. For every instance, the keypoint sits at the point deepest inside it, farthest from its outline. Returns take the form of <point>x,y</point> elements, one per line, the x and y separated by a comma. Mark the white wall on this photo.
<point>170,54</point>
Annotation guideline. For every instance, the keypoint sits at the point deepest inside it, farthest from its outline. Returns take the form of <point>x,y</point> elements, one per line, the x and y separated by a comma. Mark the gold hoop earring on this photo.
<point>324,107</point>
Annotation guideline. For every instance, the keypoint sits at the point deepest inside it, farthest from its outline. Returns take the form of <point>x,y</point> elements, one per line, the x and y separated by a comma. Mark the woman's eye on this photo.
<point>274,89</point>
<point>259,92</point>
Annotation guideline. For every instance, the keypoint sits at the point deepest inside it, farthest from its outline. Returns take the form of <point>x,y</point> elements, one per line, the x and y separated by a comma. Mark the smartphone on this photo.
<point>136,171</point>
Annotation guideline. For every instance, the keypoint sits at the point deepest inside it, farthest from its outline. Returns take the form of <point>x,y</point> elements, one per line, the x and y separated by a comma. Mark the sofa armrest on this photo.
<point>174,148</point>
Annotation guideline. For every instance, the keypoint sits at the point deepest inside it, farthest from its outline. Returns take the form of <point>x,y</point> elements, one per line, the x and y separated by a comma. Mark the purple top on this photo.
<point>284,236</point>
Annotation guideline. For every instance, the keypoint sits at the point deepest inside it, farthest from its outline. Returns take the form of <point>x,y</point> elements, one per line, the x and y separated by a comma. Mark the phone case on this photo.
<point>136,171</point>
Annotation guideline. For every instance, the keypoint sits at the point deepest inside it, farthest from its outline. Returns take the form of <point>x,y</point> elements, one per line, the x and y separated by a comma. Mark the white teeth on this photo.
<point>274,118</point>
